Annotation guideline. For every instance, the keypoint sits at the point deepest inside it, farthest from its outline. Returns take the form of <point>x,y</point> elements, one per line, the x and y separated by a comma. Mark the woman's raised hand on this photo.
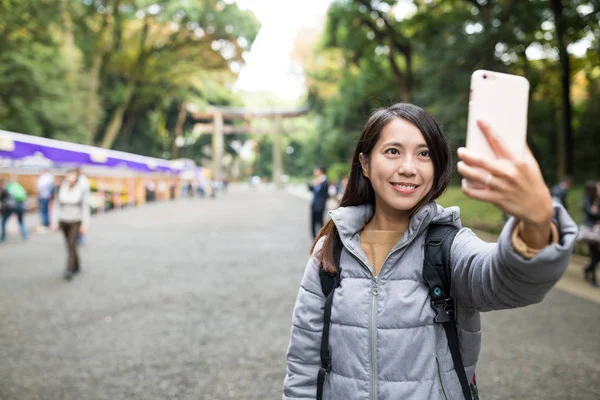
<point>515,186</point>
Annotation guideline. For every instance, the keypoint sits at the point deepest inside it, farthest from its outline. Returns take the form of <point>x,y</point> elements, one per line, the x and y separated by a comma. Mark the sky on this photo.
<point>268,64</point>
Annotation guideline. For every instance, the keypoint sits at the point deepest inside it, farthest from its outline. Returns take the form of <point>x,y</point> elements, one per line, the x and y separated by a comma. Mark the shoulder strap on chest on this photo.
<point>437,273</point>
<point>329,283</point>
<point>437,264</point>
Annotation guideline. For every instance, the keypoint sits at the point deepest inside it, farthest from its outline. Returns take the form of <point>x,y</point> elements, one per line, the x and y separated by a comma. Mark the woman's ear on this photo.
<point>364,164</point>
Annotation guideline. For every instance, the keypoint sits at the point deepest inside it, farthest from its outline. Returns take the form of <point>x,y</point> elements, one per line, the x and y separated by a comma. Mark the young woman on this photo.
<point>589,229</point>
<point>72,215</point>
<point>383,341</point>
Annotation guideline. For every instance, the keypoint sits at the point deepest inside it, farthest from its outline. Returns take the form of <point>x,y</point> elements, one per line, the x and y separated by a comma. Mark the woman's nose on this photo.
<point>407,166</point>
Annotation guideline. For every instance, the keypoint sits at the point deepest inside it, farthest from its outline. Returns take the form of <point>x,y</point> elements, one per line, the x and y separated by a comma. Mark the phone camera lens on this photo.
<point>484,76</point>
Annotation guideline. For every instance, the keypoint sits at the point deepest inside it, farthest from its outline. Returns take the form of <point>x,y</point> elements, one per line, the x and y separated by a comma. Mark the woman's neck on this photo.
<point>388,219</point>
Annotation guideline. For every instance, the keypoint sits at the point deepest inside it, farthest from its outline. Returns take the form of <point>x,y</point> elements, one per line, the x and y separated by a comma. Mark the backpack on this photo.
<point>438,278</point>
<point>17,192</point>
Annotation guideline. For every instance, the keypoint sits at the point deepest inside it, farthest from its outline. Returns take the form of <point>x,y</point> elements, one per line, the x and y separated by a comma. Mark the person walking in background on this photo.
<point>12,201</point>
<point>589,230</point>
<point>45,188</point>
<point>559,191</point>
<point>72,216</point>
<point>320,189</point>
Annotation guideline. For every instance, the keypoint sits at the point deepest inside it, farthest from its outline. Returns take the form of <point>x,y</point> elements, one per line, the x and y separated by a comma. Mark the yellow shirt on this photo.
<point>377,245</point>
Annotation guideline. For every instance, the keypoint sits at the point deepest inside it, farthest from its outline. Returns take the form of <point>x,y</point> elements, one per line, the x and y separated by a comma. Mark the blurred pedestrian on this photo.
<point>150,191</point>
<point>173,189</point>
<point>320,189</point>
<point>589,230</point>
<point>72,216</point>
<point>13,199</point>
<point>45,188</point>
<point>560,190</point>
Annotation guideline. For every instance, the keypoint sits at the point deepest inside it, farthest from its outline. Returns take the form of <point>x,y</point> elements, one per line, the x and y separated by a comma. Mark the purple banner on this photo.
<point>70,156</point>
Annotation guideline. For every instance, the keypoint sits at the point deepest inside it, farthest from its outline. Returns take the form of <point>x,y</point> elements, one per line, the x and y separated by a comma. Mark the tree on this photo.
<point>175,42</point>
<point>39,94</point>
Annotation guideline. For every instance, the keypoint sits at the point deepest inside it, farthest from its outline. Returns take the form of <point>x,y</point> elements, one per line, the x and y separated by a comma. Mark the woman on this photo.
<point>72,215</point>
<point>383,341</point>
<point>589,230</point>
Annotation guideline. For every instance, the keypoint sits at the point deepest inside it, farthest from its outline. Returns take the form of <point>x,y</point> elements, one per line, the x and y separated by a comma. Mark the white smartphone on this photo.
<point>502,101</point>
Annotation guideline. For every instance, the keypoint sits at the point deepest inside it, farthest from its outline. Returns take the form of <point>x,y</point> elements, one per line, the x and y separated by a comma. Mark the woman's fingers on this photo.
<point>499,168</point>
<point>482,194</point>
<point>479,177</point>
<point>496,144</point>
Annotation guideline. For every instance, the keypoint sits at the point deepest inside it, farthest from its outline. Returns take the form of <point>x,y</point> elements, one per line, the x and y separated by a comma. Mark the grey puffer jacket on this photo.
<point>383,341</point>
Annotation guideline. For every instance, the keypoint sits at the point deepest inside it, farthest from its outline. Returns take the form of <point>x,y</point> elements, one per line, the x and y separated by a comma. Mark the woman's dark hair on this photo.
<point>589,190</point>
<point>359,189</point>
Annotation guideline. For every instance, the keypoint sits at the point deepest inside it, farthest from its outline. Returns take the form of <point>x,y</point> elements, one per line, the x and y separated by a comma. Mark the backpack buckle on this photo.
<point>444,311</point>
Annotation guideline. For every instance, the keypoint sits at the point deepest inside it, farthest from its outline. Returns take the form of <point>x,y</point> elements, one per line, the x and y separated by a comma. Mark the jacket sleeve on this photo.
<point>55,214</point>
<point>493,276</point>
<point>85,209</point>
<point>303,355</point>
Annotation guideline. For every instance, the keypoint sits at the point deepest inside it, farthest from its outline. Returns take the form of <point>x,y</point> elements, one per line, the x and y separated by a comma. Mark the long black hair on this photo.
<point>359,189</point>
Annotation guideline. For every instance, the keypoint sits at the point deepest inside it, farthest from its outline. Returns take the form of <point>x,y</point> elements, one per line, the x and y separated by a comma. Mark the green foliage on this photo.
<point>76,70</point>
<point>474,214</point>
<point>447,40</point>
<point>337,171</point>
<point>35,95</point>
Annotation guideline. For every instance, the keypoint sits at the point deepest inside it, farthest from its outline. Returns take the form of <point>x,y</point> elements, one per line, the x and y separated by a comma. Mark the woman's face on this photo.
<point>400,167</point>
<point>71,178</point>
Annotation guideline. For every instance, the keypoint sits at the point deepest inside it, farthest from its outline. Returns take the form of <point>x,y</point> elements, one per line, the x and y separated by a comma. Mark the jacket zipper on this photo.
<point>437,361</point>
<point>373,349</point>
<point>373,313</point>
<point>375,293</point>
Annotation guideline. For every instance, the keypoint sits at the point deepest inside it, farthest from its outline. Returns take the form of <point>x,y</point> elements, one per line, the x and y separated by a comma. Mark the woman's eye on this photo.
<point>392,151</point>
<point>425,153</point>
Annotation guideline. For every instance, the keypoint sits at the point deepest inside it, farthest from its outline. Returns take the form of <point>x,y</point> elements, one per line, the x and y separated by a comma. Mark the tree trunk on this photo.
<point>566,134</point>
<point>127,129</point>
<point>114,126</point>
<point>93,107</point>
<point>178,130</point>
<point>409,72</point>
<point>92,115</point>
<point>69,45</point>
<point>399,76</point>
<point>116,121</point>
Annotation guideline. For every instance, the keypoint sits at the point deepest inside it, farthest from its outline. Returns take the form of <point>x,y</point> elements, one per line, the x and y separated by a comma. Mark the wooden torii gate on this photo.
<point>218,129</point>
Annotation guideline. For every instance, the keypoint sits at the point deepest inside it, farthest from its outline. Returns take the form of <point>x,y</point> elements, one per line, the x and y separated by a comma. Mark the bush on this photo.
<point>337,171</point>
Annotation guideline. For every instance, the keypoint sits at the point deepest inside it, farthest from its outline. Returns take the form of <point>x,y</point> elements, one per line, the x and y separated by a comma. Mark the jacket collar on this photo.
<point>349,221</point>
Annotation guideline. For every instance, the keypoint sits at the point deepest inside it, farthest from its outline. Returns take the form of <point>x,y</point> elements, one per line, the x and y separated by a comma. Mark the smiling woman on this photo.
<point>382,279</point>
<point>401,171</point>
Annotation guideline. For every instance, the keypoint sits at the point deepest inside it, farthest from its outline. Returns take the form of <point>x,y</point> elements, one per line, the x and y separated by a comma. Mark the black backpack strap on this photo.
<point>329,283</point>
<point>438,277</point>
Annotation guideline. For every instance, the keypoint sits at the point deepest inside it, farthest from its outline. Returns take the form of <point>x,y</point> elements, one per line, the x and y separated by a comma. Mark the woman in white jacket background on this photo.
<point>71,215</point>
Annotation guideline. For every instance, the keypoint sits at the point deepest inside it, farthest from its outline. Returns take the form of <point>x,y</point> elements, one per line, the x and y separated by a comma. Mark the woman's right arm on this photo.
<point>303,355</point>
